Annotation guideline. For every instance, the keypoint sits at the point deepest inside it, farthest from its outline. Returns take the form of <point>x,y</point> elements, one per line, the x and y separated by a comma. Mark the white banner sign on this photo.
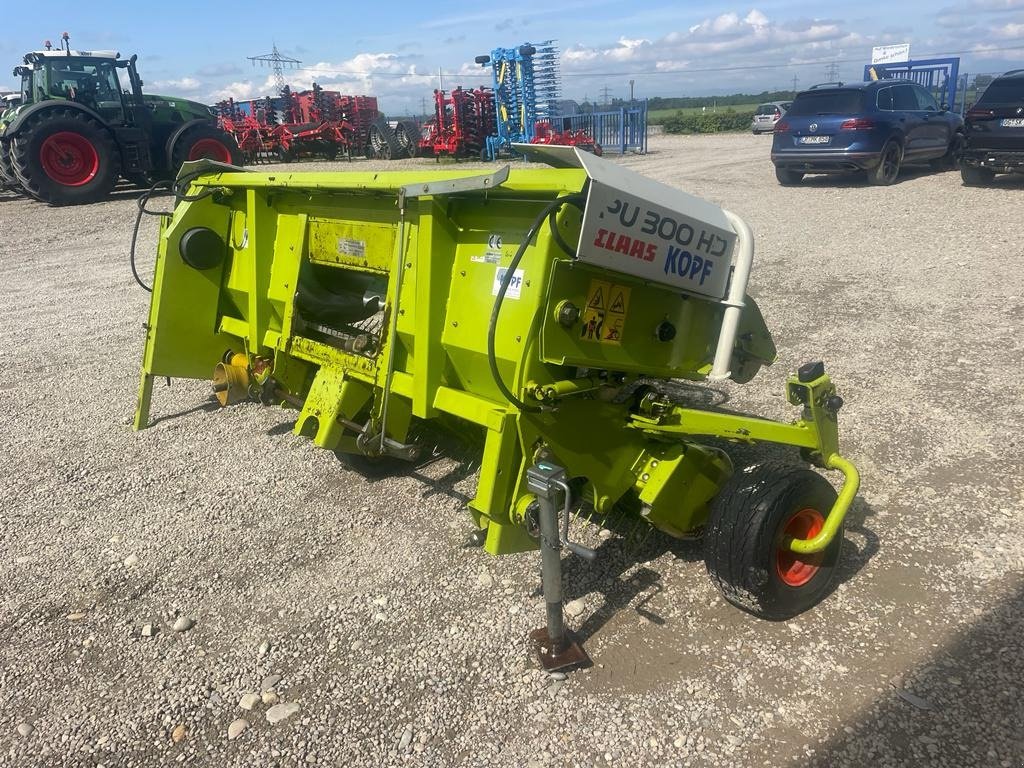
<point>890,54</point>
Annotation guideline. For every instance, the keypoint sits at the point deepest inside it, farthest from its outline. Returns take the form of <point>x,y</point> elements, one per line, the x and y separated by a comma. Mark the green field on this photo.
<point>656,116</point>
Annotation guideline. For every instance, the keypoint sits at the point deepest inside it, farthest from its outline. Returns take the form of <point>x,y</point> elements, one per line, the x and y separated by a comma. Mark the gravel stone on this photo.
<point>148,630</point>
<point>576,607</point>
<point>183,624</point>
<point>25,729</point>
<point>280,712</point>
<point>131,561</point>
<point>236,728</point>
<point>405,740</point>
<point>249,701</point>
<point>270,682</point>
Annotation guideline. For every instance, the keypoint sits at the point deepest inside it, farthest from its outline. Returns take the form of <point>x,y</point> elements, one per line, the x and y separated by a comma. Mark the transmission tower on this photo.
<point>605,93</point>
<point>278,62</point>
<point>795,81</point>
<point>831,72</point>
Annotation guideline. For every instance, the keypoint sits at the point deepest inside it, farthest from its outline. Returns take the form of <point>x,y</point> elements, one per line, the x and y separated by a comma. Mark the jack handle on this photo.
<point>579,550</point>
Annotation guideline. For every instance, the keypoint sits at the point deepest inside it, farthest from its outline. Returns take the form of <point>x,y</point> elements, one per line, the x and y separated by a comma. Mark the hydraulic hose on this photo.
<point>548,213</point>
<point>170,186</point>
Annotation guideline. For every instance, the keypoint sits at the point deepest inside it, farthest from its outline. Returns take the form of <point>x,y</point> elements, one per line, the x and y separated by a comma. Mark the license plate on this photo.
<point>1012,122</point>
<point>814,139</point>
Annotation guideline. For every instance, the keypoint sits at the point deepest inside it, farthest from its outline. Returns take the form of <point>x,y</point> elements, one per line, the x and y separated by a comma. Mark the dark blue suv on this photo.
<point>874,127</point>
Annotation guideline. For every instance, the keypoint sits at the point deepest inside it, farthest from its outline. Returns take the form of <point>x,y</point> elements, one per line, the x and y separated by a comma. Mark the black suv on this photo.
<point>995,131</point>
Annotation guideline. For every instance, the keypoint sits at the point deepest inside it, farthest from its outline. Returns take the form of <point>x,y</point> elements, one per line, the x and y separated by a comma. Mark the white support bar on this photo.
<point>721,368</point>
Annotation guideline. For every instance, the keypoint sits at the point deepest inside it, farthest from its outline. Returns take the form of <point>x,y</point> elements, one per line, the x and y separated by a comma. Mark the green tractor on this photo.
<point>82,123</point>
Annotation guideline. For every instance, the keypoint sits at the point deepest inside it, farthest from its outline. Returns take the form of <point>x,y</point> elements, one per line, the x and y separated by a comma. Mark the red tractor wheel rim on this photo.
<point>69,158</point>
<point>210,149</point>
<point>797,569</point>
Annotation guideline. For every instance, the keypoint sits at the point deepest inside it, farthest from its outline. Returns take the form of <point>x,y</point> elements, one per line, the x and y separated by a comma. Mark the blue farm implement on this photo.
<point>526,92</point>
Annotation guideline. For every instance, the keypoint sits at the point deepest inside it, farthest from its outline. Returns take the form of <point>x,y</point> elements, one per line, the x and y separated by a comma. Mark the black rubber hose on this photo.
<point>492,359</point>
<point>175,187</point>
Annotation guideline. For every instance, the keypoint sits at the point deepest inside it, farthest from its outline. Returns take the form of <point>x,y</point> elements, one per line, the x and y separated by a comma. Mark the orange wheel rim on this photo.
<point>793,568</point>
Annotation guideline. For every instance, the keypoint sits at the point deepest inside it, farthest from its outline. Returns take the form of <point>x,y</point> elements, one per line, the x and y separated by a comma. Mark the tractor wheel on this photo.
<point>329,152</point>
<point>7,177</point>
<point>64,157</point>
<point>204,142</point>
<point>382,140</point>
<point>743,549</point>
<point>888,168</point>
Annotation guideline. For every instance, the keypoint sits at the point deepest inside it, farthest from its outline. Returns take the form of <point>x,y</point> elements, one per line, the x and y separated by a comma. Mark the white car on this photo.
<point>768,115</point>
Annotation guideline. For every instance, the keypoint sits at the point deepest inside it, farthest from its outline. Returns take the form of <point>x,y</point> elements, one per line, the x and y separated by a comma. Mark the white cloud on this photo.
<point>756,19</point>
<point>182,84</point>
<point>239,91</point>
<point>1011,31</point>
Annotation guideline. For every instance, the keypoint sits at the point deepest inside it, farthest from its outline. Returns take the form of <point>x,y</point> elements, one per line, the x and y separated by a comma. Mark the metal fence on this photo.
<point>621,130</point>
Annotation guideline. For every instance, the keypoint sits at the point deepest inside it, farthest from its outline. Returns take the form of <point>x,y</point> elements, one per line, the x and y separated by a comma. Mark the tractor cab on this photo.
<point>100,80</point>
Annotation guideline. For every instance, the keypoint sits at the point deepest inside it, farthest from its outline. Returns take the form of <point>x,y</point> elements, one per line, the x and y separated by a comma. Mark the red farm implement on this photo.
<point>545,133</point>
<point>462,121</point>
<point>246,122</point>
<point>315,123</point>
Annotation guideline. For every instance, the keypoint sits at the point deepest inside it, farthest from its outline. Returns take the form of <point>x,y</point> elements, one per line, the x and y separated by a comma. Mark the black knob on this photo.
<point>568,314</point>
<point>834,403</point>
<point>665,331</point>
<point>810,371</point>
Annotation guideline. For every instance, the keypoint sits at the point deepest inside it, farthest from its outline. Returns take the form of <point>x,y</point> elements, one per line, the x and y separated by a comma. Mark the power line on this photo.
<point>685,71</point>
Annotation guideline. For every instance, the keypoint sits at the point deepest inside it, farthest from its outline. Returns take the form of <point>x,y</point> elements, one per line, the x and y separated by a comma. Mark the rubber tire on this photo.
<point>972,176</point>
<point>7,178</point>
<point>25,149</point>
<point>741,539</point>
<point>951,160</point>
<point>183,145</point>
<point>876,176</point>
<point>389,148</point>
<point>788,178</point>
<point>411,132</point>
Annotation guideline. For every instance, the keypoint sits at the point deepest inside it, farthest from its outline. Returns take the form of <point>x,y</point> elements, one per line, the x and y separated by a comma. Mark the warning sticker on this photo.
<point>352,247</point>
<point>605,315</point>
<point>515,286</point>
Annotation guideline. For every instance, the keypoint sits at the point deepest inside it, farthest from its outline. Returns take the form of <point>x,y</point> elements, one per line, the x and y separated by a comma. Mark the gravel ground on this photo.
<point>214,591</point>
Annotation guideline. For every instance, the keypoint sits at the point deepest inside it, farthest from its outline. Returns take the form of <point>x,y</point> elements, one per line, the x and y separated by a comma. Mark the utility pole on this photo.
<point>795,81</point>
<point>423,105</point>
<point>631,91</point>
<point>278,62</point>
<point>605,93</point>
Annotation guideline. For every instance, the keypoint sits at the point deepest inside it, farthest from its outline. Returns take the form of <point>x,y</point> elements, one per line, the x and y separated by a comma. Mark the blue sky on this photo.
<point>395,49</point>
